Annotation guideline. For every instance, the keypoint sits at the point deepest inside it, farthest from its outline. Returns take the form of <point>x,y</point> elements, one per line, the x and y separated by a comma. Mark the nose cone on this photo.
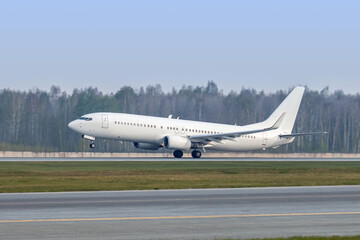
<point>71,125</point>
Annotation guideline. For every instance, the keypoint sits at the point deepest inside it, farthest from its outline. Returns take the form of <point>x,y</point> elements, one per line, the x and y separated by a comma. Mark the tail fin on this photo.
<point>290,106</point>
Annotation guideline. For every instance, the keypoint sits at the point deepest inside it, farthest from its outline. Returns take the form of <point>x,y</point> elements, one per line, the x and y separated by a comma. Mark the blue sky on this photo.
<point>266,45</point>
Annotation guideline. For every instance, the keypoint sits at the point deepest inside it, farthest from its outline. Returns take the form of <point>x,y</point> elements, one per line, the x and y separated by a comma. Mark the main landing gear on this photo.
<point>178,154</point>
<point>194,154</point>
<point>92,145</point>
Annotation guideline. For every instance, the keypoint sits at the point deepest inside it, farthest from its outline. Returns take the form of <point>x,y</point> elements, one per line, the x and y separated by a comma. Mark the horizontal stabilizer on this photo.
<point>301,134</point>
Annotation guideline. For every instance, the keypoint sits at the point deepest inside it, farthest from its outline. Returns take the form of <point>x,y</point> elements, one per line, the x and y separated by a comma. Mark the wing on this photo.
<point>204,139</point>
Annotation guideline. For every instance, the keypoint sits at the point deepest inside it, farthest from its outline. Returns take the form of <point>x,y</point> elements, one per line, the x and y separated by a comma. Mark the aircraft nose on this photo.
<point>71,125</point>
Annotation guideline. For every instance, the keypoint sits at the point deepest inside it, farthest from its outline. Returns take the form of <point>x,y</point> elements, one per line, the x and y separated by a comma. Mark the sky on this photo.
<point>265,45</point>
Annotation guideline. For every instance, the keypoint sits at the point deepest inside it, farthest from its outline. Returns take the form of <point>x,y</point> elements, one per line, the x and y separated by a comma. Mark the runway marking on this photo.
<point>179,217</point>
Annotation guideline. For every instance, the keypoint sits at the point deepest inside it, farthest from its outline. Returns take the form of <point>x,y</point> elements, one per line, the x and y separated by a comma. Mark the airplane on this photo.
<point>152,133</point>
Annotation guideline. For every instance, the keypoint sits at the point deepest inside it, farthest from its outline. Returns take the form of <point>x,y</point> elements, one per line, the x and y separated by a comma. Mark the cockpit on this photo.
<point>85,118</point>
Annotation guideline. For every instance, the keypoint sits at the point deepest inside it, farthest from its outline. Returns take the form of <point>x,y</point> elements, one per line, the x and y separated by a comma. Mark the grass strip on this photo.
<point>303,238</point>
<point>107,175</point>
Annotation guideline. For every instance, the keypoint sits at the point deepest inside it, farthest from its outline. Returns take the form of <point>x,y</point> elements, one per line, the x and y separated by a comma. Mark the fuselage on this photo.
<point>153,130</point>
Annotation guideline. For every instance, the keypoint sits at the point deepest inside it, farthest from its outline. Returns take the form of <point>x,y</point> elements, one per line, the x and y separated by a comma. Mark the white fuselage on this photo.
<point>153,130</point>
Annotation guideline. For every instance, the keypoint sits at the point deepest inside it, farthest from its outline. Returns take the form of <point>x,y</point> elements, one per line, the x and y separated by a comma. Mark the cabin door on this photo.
<point>105,121</point>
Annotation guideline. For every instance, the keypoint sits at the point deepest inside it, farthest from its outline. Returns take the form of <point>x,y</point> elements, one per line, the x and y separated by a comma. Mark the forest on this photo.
<point>36,120</point>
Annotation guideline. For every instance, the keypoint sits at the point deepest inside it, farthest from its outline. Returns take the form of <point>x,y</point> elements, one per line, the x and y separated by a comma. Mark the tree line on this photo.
<point>37,120</point>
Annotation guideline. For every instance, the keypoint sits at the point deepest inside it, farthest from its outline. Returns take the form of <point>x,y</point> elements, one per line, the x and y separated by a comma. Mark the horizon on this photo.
<point>138,89</point>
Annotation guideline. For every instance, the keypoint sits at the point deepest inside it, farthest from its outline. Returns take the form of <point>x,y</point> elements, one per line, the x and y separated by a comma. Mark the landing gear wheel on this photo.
<point>196,154</point>
<point>92,145</point>
<point>178,154</point>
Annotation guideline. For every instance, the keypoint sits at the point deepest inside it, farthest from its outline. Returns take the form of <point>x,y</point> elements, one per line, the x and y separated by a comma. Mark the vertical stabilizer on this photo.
<point>290,106</point>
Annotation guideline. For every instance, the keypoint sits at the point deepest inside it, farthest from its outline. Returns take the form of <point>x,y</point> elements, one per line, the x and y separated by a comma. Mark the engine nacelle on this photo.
<point>177,142</point>
<point>148,146</point>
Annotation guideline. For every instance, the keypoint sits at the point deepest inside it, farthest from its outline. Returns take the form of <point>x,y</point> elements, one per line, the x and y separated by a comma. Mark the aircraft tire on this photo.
<point>178,154</point>
<point>196,154</point>
<point>92,145</point>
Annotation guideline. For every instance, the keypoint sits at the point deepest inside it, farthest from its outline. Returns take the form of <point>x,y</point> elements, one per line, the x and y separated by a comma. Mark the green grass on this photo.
<point>107,175</point>
<point>305,238</point>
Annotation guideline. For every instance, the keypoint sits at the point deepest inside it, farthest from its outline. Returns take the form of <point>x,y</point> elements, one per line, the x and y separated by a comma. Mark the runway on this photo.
<point>182,214</point>
<point>179,160</point>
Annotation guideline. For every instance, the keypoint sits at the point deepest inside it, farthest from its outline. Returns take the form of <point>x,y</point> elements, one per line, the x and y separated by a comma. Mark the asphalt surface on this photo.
<point>182,214</point>
<point>178,159</point>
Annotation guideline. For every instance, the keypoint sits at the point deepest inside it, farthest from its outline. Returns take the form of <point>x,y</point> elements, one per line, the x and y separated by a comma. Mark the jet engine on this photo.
<point>148,146</point>
<point>177,142</point>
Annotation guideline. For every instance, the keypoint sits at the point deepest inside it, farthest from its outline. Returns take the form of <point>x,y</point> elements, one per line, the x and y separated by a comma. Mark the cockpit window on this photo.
<point>85,118</point>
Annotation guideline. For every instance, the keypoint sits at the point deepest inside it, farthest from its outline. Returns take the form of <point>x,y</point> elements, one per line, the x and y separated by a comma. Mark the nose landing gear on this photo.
<point>91,138</point>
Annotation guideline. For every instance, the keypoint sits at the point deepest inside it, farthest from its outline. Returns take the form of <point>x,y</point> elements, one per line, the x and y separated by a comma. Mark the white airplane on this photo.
<point>152,133</point>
